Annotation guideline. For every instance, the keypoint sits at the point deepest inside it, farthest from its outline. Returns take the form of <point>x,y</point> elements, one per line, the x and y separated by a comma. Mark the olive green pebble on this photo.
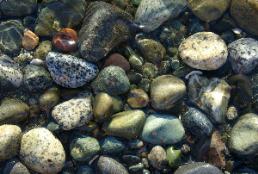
<point>102,106</point>
<point>43,49</point>
<point>83,149</point>
<point>127,124</point>
<point>13,111</point>
<point>149,70</point>
<point>173,157</point>
<point>49,99</point>
<point>10,136</point>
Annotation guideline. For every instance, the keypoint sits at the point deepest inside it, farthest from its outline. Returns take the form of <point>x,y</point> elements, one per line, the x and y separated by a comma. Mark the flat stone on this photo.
<point>106,165</point>
<point>198,168</point>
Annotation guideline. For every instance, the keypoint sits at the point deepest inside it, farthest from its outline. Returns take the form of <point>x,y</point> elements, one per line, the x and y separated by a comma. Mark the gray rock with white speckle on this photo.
<point>74,112</point>
<point>198,168</point>
<point>10,74</point>
<point>106,165</point>
<point>41,151</point>
<point>70,71</point>
<point>243,55</point>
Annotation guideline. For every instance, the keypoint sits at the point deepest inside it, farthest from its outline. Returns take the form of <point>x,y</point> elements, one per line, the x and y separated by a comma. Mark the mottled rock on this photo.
<point>102,106</point>
<point>166,90</point>
<point>43,49</point>
<point>112,80</point>
<point>83,149</point>
<point>137,98</point>
<point>10,136</point>
<point>36,78</point>
<point>70,71</point>
<point>49,99</point>
<point>13,111</point>
<point>245,13</point>
<point>117,60</point>
<point>15,167</point>
<point>11,33</point>
<point>153,13</point>
<point>111,145</point>
<point>106,165</point>
<point>158,157</point>
<point>51,19</point>
<point>73,113</point>
<point>158,128</point>
<point>197,123</point>
<point>204,51</point>
<point>208,10</point>
<point>16,8</point>
<point>198,167</point>
<point>127,124</point>
<point>244,135</point>
<point>29,40</point>
<point>41,151</point>
<point>10,74</point>
<point>243,55</point>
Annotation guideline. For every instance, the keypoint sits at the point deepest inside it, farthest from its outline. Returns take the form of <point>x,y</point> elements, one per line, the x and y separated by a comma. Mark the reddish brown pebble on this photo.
<point>117,60</point>
<point>30,40</point>
<point>65,40</point>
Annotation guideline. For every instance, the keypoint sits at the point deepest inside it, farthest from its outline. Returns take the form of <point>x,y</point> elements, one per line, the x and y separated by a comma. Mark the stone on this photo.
<point>245,14</point>
<point>111,146</point>
<point>16,8</point>
<point>73,113</point>
<point>243,139</point>
<point>112,80</point>
<point>158,157</point>
<point>11,75</point>
<point>153,51</point>
<point>36,78</point>
<point>13,111</point>
<point>117,60</point>
<point>173,157</point>
<point>11,33</point>
<point>10,136</point>
<point>165,91</point>
<point>158,128</point>
<point>197,123</point>
<point>126,124</point>
<point>102,106</point>
<point>208,10</point>
<point>65,40</point>
<point>243,55</point>
<point>41,151</point>
<point>29,40</point>
<point>153,13</point>
<point>51,19</point>
<point>137,98</point>
<point>85,170</point>
<point>106,165</point>
<point>149,70</point>
<point>204,51</point>
<point>83,149</point>
<point>15,167</point>
<point>70,71</point>
<point>198,167</point>
<point>43,49</point>
<point>49,99</point>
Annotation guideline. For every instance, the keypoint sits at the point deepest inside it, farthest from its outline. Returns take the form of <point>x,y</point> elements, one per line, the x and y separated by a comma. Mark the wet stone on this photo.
<point>111,146</point>
<point>117,60</point>
<point>106,165</point>
<point>198,167</point>
<point>158,157</point>
<point>30,40</point>
<point>15,167</point>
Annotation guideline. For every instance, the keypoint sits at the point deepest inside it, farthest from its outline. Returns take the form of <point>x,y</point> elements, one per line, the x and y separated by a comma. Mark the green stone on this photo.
<point>173,157</point>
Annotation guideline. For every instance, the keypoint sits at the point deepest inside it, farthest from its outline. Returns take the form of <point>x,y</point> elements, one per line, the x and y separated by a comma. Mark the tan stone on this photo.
<point>30,40</point>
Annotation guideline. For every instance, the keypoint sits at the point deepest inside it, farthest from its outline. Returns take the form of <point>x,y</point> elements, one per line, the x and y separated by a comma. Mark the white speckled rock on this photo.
<point>204,51</point>
<point>243,55</point>
<point>10,73</point>
<point>74,112</point>
<point>153,13</point>
<point>10,136</point>
<point>70,71</point>
<point>42,152</point>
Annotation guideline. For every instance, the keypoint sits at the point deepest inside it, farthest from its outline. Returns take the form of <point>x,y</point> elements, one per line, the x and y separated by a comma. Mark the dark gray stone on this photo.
<point>198,168</point>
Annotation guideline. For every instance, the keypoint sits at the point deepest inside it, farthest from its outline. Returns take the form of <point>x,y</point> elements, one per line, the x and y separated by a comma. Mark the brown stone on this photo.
<point>137,98</point>
<point>117,60</point>
<point>30,40</point>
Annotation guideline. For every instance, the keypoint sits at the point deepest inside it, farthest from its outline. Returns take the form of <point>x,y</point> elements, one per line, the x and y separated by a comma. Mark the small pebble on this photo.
<point>198,167</point>
<point>137,98</point>
<point>173,157</point>
<point>117,60</point>
<point>158,157</point>
<point>102,106</point>
<point>106,165</point>
<point>111,146</point>
<point>30,40</point>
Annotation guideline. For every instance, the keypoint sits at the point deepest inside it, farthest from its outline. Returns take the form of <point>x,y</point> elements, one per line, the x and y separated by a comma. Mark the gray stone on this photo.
<point>112,80</point>
<point>15,167</point>
<point>73,113</point>
<point>83,149</point>
<point>17,8</point>
<point>41,151</point>
<point>85,170</point>
<point>158,157</point>
<point>153,13</point>
<point>106,165</point>
<point>69,71</point>
<point>244,135</point>
<point>163,129</point>
<point>111,145</point>
<point>243,55</point>
<point>11,33</point>
<point>198,168</point>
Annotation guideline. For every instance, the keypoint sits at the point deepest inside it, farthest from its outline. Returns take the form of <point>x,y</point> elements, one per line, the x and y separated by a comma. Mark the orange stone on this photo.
<point>65,40</point>
<point>117,60</point>
<point>30,40</point>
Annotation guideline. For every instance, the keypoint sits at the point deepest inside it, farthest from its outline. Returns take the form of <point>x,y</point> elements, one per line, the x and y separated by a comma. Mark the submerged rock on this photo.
<point>198,168</point>
<point>106,165</point>
<point>153,13</point>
